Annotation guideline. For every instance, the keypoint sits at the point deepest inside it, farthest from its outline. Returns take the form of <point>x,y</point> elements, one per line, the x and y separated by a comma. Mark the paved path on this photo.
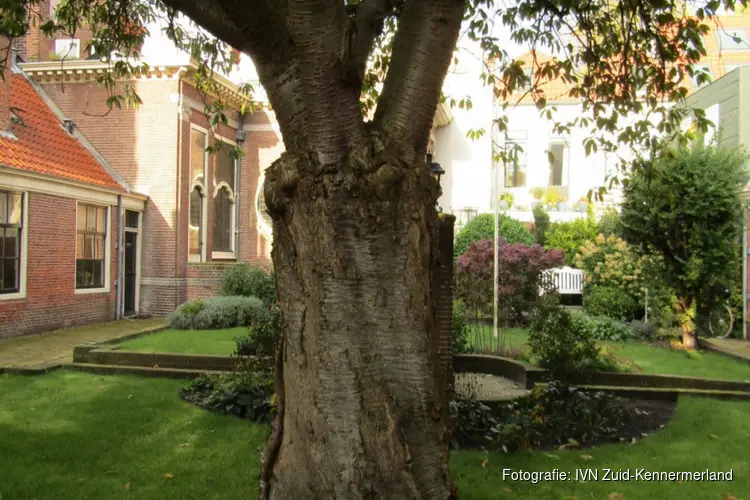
<point>737,348</point>
<point>56,347</point>
<point>486,387</point>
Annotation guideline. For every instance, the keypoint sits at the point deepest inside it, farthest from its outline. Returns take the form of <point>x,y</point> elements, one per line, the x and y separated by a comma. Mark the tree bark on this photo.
<point>362,411</point>
<point>687,325</point>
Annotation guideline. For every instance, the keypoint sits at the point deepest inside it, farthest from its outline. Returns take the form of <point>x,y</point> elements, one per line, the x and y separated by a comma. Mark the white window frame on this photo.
<point>68,48</point>
<point>21,293</point>
<point>107,251</point>
<point>215,254</point>
<point>204,200</point>
<point>138,252</point>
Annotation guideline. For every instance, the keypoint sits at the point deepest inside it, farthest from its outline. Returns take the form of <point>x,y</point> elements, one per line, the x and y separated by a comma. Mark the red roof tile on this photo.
<point>42,145</point>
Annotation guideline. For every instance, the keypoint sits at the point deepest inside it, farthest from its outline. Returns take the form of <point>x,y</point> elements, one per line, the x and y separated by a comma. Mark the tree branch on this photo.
<point>368,25</point>
<point>422,53</point>
<point>319,31</point>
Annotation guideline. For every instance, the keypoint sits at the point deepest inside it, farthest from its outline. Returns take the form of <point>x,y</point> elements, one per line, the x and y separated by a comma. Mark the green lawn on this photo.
<point>77,436</point>
<point>648,358</point>
<point>218,342</point>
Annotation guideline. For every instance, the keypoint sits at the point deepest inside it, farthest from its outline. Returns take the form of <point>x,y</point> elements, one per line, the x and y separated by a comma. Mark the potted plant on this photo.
<point>562,204</point>
<point>551,199</point>
<point>537,193</point>
<point>505,200</point>
<point>583,204</point>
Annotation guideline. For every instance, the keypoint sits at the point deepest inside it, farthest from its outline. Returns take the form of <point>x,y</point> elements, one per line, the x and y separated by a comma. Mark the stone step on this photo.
<point>177,373</point>
<point>659,393</point>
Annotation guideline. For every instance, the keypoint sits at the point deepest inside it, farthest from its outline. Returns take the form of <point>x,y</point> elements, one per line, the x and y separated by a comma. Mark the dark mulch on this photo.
<point>650,416</point>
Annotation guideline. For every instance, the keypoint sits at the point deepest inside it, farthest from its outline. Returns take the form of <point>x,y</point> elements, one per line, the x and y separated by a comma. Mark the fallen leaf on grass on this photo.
<point>130,396</point>
<point>101,387</point>
<point>80,481</point>
<point>484,463</point>
<point>727,496</point>
<point>616,496</point>
<point>507,490</point>
<point>167,475</point>
<point>109,472</point>
<point>713,436</point>
<point>127,486</point>
<point>571,498</point>
<point>550,455</point>
<point>185,445</point>
<point>587,457</point>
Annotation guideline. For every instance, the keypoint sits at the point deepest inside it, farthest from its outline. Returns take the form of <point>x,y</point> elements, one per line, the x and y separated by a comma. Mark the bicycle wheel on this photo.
<point>721,321</point>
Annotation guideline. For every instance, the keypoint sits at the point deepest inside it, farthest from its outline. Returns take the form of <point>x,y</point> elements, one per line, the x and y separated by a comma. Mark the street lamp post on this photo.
<point>496,202</point>
<point>437,171</point>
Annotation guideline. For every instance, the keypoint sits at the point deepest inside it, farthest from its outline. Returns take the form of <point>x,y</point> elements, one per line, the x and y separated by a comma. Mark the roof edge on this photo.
<point>78,135</point>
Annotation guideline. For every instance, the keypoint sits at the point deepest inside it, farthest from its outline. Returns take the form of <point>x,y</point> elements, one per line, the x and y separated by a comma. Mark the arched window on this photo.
<point>198,163</point>
<point>265,224</point>
<point>224,207</point>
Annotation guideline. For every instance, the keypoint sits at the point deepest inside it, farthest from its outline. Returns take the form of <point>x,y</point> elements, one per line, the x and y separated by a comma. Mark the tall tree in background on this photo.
<point>361,411</point>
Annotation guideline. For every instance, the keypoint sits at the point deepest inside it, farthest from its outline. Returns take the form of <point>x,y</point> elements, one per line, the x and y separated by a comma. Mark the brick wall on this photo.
<point>141,145</point>
<point>51,301</point>
<point>442,292</point>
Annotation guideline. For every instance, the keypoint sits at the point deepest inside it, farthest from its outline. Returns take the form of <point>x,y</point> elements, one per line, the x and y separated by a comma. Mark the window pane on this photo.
<point>131,219</point>
<point>10,275</point>
<point>15,206</point>
<point>10,243</point>
<point>79,246</point>
<point>224,171</point>
<point>556,164</point>
<point>88,249</point>
<point>222,230</point>
<point>515,170</point>
<point>82,274</point>
<point>99,254</point>
<point>91,219</point>
<point>3,208</point>
<point>81,225</point>
<point>97,267</point>
<point>196,221</point>
<point>101,220</point>
<point>197,155</point>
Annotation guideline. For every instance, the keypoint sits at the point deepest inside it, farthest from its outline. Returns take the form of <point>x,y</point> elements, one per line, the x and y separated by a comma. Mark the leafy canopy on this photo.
<point>617,57</point>
<point>685,208</point>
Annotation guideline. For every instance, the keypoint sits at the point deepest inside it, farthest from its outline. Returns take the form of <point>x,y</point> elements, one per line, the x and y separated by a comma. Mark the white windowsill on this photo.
<point>223,255</point>
<point>91,291</point>
<point>12,296</point>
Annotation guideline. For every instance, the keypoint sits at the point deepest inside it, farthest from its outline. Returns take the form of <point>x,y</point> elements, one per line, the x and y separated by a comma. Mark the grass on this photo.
<point>77,436</point>
<point>213,342</point>
<point>648,358</point>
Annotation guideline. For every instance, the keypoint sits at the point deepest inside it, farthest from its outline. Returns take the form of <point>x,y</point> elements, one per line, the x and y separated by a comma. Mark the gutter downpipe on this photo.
<point>238,190</point>
<point>120,253</point>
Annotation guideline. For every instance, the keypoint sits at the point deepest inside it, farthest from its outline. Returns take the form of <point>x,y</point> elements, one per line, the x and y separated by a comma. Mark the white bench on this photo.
<point>566,280</point>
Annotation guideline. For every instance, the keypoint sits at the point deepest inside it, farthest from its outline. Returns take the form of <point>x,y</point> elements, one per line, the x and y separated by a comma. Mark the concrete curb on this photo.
<point>724,352</point>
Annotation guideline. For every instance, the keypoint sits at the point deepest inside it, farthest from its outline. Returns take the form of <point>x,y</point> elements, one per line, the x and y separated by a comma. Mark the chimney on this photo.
<point>5,48</point>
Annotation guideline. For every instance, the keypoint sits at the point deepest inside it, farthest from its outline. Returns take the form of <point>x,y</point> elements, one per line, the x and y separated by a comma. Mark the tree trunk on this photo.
<point>362,410</point>
<point>687,324</point>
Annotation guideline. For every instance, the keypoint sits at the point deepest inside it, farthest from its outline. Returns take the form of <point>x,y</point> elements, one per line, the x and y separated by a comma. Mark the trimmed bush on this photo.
<point>603,328</point>
<point>541,224</point>
<point>482,227</point>
<point>249,281</point>
<point>610,302</point>
<point>520,270</point>
<point>263,336</point>
<point>570,237</point>
<point>563,347</point>
<point>216,312</point>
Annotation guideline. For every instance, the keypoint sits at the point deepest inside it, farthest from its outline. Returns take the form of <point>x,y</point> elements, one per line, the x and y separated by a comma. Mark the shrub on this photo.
<point>643,331</point>
<point>552,416</point>
<point>520,270</point>
<point>482,227</point>
<point>249,281</point>
<point>611,262</point>
<point>460,328</point>
<point>609,223</point>
<point>603,328</point>
<point>216,312</point>
<point>541,224</point>
<point>570,237</point>
<point>262,337</point>
<point>561,346</point>
<point>246,393</point>
<point>611,302</point>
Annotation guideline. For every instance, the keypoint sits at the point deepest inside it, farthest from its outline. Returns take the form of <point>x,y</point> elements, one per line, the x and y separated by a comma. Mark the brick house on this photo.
<point>61,209</point>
